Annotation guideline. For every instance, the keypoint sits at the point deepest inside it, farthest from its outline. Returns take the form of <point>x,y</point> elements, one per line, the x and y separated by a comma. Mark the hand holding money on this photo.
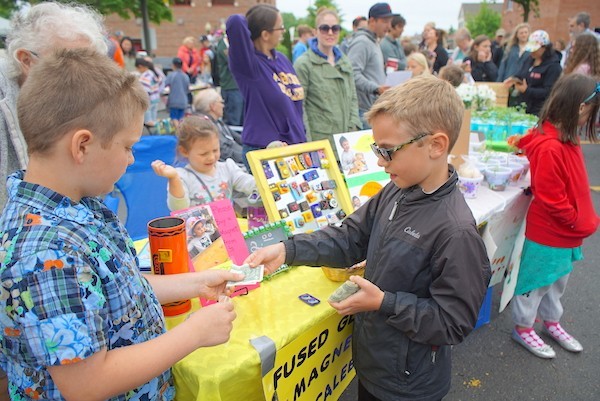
<point>344,291</point>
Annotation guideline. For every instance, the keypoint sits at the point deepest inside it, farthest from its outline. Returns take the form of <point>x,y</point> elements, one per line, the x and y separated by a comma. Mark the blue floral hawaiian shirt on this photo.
<point>70,286</point>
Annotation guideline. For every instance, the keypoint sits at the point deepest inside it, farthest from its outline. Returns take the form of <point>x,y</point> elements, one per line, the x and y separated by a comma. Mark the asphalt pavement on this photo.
<point>490,366</point>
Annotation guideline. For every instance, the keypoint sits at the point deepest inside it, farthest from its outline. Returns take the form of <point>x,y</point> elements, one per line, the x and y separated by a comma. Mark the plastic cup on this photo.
<point>468,186</point>
<point>516,172</point>
<point>523,161</point>
<point>497,177</point>
<point>169,254</point>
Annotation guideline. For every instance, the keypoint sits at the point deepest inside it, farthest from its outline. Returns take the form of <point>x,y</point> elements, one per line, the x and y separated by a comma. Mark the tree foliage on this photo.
<point>158,10</point>
<point>486,22</point>
<point>529,6</point>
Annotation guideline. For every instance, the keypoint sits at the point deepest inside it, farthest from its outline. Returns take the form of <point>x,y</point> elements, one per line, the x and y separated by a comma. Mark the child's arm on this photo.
<point>109,373</point>
<point>176,188</point>
<point>368,298</point>
<point>242,181</point>
<point>208,284</point>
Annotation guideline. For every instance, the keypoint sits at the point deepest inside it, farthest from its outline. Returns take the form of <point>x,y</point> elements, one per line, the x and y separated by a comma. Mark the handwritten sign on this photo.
<point>230,230</point>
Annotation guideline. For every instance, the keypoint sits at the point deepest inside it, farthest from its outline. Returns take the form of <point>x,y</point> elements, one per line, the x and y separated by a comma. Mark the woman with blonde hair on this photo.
<point>516,55</point>
<point>330,101</point>
<point>584,57</point>
<point>417,64</point>
<point>190,58</point>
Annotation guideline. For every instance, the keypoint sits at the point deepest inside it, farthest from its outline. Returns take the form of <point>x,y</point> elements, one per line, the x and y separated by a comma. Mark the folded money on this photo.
<point>344,291</point>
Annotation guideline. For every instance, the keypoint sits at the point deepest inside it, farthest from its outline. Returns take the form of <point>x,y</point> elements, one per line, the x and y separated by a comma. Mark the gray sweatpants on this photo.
<point>544,300</point>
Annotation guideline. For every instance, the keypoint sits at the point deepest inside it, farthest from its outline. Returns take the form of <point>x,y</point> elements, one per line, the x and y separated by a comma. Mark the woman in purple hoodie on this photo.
<point>272,92</point>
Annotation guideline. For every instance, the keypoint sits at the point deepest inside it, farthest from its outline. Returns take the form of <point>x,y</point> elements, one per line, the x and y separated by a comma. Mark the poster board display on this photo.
<point>364,177</point>
<point>213,234</point>
<point>302,185</point>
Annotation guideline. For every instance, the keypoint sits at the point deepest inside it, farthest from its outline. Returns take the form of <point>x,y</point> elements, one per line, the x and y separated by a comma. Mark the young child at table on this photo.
<point>561,214</point>
<point>78,320</point>
<point>204,179</point>
<point>179,89</point>
<point>427,271</point>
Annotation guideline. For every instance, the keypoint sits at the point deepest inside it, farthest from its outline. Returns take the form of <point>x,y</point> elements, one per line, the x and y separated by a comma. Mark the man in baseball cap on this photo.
<point>381,10</point>
<point>367,59</point>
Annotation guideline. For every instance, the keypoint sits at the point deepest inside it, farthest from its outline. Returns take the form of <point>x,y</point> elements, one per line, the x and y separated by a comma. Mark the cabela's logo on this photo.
<point>412,232</point>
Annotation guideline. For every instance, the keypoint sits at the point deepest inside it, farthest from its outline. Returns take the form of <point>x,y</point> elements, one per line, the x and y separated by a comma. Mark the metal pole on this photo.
<point>145,27</point>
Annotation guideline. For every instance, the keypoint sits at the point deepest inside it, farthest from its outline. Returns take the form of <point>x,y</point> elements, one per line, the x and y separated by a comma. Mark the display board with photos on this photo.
<point>302,185</point>
<point>364,177</point>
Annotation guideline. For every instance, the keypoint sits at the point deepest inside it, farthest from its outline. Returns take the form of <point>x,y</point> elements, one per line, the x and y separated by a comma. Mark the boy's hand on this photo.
<point>272,256</point>
<point>368,298</point>
<point>164,170</point>
<point>213,323</point>
<point>211,283</point>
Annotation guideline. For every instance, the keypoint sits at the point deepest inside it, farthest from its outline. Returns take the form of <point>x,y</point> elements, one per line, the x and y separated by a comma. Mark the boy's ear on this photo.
<point>438,145</point>
<point>81,142</point>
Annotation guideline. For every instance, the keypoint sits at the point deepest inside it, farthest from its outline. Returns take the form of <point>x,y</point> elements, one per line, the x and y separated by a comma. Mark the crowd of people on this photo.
<point>79,319</point>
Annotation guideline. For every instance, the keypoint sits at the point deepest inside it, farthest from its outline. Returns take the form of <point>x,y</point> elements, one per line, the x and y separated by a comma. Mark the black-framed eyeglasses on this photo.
<point>386,154</point>
<point>282,28</point>
<point>333,28</point>
<point>593,95</point>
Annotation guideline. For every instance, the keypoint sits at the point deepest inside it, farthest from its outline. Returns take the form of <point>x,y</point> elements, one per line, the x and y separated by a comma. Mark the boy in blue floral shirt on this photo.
<point>77,319</point>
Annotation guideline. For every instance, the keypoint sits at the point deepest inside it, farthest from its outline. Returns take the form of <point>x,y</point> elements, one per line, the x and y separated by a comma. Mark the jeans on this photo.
<point>233,114</point>
<point>246,149</point>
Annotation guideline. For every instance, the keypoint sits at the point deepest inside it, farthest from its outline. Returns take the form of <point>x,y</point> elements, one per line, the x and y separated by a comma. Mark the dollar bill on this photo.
<point>252,275</point>
<point>344,291</point>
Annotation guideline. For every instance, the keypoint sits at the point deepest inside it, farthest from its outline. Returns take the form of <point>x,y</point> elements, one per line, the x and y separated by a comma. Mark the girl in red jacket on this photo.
<point>561,214</point>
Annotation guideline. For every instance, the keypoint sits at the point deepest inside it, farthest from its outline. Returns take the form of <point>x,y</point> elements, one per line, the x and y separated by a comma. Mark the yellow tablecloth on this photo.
<point>232,371</point>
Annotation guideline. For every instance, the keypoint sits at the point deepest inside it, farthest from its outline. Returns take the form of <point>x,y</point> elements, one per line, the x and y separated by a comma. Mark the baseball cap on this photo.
<point>500,32</point>
<point>381,10</point>
<point>537,40</point>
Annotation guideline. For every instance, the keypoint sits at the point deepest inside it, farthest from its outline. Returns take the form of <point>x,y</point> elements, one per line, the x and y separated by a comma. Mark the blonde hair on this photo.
<point>323,11</point>
<point>423,104</point>
<point>513,40</point>
<point>420,59</point>
<point>76,89</point>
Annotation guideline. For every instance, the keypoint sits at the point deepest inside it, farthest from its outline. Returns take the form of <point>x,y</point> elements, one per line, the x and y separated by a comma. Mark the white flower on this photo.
<point>480,96</point>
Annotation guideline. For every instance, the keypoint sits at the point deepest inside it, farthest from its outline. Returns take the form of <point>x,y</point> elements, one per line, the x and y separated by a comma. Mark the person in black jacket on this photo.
<point>427,269</point>
<point>479,62</point>
<point>538,75</point>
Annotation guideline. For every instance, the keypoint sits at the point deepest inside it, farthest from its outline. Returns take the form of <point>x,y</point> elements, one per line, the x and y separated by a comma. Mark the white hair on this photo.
<point>204,98</point>
<point>47,26</point>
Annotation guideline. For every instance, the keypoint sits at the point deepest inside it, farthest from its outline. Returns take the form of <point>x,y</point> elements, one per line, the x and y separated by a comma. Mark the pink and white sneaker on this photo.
<point>533,343</point>
<point>564,339</point>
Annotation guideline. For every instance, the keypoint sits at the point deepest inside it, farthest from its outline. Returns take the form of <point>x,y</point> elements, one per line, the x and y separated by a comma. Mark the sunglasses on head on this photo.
<point>386,153</point>
<point>333,28</point>
<point>593,95</point>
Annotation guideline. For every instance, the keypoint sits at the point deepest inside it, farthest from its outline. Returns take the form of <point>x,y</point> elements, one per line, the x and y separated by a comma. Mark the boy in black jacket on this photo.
<point>427,269</point>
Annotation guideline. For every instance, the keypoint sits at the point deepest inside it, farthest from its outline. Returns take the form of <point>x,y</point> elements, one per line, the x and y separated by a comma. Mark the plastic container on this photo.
<point>468,186</point>
<point>517,172</point>
<point>523,161</point>
<point>497,177</point>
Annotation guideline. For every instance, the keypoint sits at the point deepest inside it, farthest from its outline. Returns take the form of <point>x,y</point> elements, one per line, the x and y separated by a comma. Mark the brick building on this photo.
<point>190,18</point>
<point>554,16</point>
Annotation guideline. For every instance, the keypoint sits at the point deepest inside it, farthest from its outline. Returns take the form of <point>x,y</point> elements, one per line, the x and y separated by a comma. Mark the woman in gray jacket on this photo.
<point>330,103</point>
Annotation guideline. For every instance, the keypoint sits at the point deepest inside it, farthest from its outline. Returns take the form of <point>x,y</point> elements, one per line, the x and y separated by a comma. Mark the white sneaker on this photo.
<point>534,344</point>
<point>564,339</point>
